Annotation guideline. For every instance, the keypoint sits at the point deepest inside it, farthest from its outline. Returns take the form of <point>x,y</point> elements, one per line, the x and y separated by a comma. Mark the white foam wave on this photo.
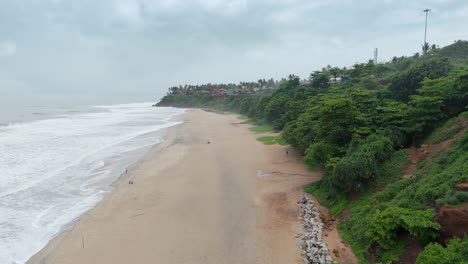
<point>54,170</point>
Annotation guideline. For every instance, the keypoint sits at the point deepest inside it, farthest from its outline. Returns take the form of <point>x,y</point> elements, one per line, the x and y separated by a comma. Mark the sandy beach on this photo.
<point>194,202</point>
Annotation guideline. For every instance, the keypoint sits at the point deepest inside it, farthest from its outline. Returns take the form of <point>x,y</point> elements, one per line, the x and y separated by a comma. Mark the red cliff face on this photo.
<point>453,222</point>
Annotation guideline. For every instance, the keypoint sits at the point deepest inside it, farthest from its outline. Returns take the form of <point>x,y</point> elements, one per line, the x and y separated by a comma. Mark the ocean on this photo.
<point>56,163</point>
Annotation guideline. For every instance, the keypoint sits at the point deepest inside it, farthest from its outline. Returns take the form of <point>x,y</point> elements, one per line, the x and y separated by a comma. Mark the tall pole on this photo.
<point>425,30</point>
<point>376,52</point>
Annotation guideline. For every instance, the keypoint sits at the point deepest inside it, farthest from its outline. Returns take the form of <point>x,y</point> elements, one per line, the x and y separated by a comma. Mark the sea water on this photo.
<point>57,167</point>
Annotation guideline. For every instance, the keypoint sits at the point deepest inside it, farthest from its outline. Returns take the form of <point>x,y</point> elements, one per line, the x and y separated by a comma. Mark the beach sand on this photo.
<point>194,202</point>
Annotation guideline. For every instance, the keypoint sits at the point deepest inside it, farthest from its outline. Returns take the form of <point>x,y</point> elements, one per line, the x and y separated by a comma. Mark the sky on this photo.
<point>117,51</point>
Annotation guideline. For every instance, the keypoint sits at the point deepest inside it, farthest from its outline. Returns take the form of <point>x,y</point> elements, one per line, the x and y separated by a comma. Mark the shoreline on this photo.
<point>252,219</point>
<point>42,255</point>
<point>57,169</point>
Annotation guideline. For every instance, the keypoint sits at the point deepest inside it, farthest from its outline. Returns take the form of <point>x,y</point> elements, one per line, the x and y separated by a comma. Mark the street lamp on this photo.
<point>425,46</point>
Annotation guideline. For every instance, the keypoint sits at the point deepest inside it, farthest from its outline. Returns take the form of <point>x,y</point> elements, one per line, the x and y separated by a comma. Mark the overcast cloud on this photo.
<point>131,50</point>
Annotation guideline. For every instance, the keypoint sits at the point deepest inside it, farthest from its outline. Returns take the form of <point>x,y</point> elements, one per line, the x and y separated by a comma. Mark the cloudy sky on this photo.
<point>106,51</point>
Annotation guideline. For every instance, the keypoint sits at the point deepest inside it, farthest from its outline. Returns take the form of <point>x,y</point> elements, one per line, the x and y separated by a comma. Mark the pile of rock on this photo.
<point>313,249</point>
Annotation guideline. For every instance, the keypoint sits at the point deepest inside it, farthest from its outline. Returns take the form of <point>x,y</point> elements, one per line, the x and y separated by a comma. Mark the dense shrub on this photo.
<point>396,136</point>
<point>320,152</point>
<point>456,252</point>
<point>361,165</point>
<point>407,82</point>
<point>387,224</point>
<point>300,133</point>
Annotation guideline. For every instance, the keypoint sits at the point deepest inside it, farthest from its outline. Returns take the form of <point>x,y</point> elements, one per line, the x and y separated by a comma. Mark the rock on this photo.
<point>453,222</point>
<point>313,249</point>
<point>462,187</point>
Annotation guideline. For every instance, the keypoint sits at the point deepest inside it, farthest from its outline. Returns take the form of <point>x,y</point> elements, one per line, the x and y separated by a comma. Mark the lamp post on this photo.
<point>425,46</point>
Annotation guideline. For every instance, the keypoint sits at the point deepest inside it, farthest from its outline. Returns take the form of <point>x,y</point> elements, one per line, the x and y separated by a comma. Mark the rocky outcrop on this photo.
<point>453,222</point>
<point>313,248</point>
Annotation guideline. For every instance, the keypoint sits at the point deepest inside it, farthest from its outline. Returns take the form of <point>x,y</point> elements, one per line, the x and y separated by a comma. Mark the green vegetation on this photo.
<point>271,140</point>
<point>455,252</point>
<point>453,198</point>
<point>421,164</point>
<point>435,133</point>
<point>415,194</point>
<point>355,229</point>
<point>357,124</point>
<point>262,129</point>
<point>361,164</point>
<point>448,134</point>
<point>456,52</point>
<point>440,178</point>
<point>280,140</point>
<point>267,140</point>
<point>385,225</point>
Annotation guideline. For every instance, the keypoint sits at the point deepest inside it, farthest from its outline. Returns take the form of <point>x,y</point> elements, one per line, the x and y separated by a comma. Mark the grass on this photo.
<point>436,131</point>
<point>262,129</point>
<point>447,134</point>
<point>336,204</point>
<point>266,138</point>
<point>247,120</point>
<point>280,140</point>
<point>438,153</point>
<point>271,140</point>
<point>437,179</point>
<point>421,164</point>
<point>393,168</point>
<point>448,129</point>
<point>454,198</point>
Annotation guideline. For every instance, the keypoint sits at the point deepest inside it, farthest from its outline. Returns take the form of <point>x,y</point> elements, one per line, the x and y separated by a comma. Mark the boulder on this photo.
<point>453,222</point>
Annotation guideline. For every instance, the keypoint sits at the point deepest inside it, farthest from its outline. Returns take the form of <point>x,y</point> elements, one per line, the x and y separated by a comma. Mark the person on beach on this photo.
<point>126,173</point>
